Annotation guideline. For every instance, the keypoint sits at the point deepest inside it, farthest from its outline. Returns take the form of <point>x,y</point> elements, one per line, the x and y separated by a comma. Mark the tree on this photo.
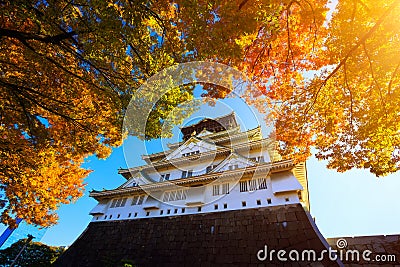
<point>349,110</point>
<point>68,70</point>
<point>332,84</point>
<point>34,254</point>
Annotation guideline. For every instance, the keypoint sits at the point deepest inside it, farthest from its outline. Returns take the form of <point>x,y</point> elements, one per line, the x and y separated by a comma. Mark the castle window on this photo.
<point>164,177</point>
<point>168,211</point>
<point>269,201</point>
<point>114,202</point>
<point>135,214</point>
<point>105,217</point>
<point>258,202</point>
<point>259,159</point>
<point>225,205</point>
<point>216,206</point>
<point>161,212</point>
<point>286,199</point>
<point>198,209</point>
<point>140,200</point>
<point>186,174</point>
<point>119,215</point>
<point>225,188</point>
<point>183,210</point>
<point>110,217</point>
<point>118,203</point>
<point>243,186</point>
<point>216,190</point>
<point>252,185</point>
<point>123,202</point>
<point>244,204</point>
<point>262,183</point>
<point>148,213</point>
<point>137,200</point>
<point>129,215</point>
<point>175,211</point>
<point>233,167</point>
<point>208,169</point>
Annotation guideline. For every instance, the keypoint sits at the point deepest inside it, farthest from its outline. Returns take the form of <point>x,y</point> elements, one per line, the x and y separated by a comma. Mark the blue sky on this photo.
<point>353,203</point>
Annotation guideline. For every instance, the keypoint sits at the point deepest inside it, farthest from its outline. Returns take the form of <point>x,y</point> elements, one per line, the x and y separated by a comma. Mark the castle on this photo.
<point>218,197</point>
<point>216,167</point>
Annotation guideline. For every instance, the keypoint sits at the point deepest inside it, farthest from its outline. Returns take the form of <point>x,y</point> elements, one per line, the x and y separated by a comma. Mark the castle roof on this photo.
<point>222,138</point>
<point>270,167</point>
<point>263,143</point>
<point>216,125</point>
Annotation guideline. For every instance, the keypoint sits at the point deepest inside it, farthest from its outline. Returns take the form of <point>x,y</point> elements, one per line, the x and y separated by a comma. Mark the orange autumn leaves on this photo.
<point>329,83</point>
<point>69,68</point>
<point>349,111</point>
<point>51,120</point>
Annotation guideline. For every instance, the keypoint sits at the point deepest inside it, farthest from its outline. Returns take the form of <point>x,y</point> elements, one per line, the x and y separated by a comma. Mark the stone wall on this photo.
<point>215,239</point>
<point>377,250</point>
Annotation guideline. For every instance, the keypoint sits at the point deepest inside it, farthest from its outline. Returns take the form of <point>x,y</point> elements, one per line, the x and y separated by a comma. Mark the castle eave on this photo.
<point>260,169</point>
<point>262,143</point>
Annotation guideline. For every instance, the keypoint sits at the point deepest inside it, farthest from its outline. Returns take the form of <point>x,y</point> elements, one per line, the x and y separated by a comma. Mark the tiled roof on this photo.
<point>266,167</point>
<point>239,147</point>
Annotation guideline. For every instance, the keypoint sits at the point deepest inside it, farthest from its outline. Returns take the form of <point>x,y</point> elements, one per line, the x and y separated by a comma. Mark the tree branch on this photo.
<point>25,36</point>
<point>354,48</point>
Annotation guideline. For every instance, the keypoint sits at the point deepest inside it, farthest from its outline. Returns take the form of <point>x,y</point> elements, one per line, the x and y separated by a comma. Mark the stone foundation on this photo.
<point>230,238</point>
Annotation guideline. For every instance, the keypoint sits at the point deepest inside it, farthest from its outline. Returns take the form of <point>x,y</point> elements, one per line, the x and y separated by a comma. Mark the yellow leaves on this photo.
<point>44,179</point>
<point>245,40</point>
<point>77,12</point>
<point>154,25</point>
<point>103,152</point>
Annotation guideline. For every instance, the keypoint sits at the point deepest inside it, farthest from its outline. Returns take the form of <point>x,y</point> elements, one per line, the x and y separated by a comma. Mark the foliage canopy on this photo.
<point>35,254</point>
<point>69,68</point>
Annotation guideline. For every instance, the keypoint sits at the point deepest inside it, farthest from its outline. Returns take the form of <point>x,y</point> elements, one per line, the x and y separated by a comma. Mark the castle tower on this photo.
<point>216,167</point>
<point>220,190</point>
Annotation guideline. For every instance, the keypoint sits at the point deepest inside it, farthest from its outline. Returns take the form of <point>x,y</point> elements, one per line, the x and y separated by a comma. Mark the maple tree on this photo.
<point>349,110</point>
<point>331,84</point>
<point>69,68</point>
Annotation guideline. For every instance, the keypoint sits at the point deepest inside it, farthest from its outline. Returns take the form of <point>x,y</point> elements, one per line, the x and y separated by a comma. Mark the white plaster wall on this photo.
<point>198,167</point>
<point>233,200</point>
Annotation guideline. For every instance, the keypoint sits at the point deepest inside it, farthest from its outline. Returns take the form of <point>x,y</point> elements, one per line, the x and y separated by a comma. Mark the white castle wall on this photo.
<point>235,200</point>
